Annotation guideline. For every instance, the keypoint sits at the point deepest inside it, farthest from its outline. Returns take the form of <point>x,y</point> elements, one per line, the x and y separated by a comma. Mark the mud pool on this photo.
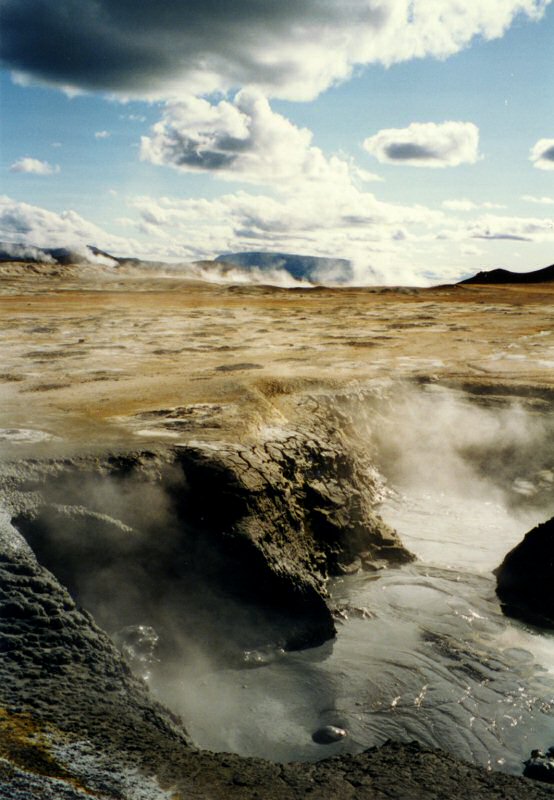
<point>422,652</point>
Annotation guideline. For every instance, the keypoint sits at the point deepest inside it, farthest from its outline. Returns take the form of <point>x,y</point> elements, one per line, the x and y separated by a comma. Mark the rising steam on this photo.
<point>465,463</point>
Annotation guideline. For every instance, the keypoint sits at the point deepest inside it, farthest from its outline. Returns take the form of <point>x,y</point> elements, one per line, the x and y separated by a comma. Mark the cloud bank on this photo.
<point>387,243</point>
<point>291,49</point>
<point>542,154</point>
<point>426,144</point>
<point>30,225</point>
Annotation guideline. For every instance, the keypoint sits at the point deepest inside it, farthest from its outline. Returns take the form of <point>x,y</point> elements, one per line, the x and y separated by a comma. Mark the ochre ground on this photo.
<point>85,355</point>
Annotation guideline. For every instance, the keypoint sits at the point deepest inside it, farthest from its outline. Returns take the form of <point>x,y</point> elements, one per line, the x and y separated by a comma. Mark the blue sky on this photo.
<point>415,138</point>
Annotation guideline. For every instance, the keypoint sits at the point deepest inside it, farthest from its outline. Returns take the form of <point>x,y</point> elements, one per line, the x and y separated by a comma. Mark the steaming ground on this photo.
<point>423,652</point>
<point>467,476</point>
<point>92,360</point>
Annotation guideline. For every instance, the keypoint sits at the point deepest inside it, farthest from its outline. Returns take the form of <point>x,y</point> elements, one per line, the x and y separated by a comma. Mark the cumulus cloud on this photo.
<point>32,166</point>
<point>542,154</point>
<point>102,135</point>
<point>241,140</point>
<point>365,176</point>
<point>294,49</point>
<point>468,205</point>
<point>426,144</point>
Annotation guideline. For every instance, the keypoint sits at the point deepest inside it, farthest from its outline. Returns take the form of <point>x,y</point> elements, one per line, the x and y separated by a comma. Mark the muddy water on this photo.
<point>423,652</point>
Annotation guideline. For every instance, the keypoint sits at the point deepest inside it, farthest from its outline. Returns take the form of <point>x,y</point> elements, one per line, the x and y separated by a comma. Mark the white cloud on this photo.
<point>468,205</point>
<point>25,224</point>
<point>542,154</point>
<point>545,201</point>
<point>303,213</point>
<point>285,49</point>
<point>102,135</point>
<point>32,166</point>
<point>240,140</point>
<point>426,144</point>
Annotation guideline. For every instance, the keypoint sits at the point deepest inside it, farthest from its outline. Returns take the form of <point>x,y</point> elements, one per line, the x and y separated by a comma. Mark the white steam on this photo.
<point>221,273</point>
<point>468,476</point>
<point>25,252</point>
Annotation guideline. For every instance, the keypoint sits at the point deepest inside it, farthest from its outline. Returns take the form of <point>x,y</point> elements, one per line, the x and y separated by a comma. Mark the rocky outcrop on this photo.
<point>233,540</point>
<point>67,698</point>
<point>525,578</point>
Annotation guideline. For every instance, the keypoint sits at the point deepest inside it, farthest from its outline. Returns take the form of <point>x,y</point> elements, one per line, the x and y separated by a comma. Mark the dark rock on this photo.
<point>329,734</point>
<point>540,766</point>
<point>525,578</point>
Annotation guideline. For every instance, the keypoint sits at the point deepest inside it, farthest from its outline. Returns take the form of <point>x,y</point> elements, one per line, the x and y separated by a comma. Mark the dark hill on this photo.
<point>507,276</point>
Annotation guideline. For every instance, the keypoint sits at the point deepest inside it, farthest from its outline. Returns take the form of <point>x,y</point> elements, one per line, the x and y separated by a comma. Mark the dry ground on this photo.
<point>85,355</point>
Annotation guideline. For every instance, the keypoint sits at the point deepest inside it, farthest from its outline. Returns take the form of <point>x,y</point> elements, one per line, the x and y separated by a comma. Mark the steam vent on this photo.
<point>248,534</point>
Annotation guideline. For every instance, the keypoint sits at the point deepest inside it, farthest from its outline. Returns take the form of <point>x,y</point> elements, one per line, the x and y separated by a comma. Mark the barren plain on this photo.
<point>83,353</point>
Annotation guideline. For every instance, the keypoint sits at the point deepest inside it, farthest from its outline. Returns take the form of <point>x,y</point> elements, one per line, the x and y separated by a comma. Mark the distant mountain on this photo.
<point>507,276</point>
<point>311,268</point>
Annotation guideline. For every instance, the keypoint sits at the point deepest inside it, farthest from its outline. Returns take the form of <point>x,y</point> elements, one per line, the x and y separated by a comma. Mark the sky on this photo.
<point>414,137</point>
